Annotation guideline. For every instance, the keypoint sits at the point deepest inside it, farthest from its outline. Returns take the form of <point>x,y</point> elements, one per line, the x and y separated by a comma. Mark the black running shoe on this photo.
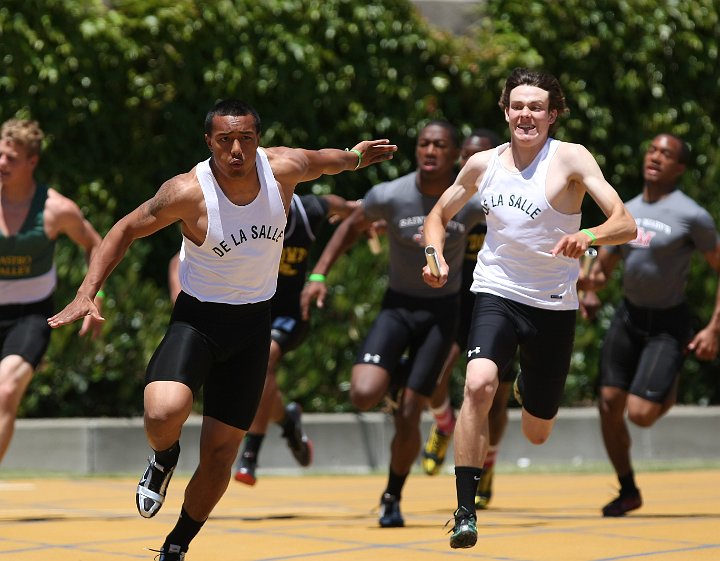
<point>150,494</point>
<point>173,553</point>
<point>623,504</point>
<point>246,468</point>
<point>464,532</point>
<point>390,516</point>
<point>298,442</point>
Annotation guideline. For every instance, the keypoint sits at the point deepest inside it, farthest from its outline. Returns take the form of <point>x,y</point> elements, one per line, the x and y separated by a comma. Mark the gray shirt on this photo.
<point>401,204</point>
<point>658,260</point>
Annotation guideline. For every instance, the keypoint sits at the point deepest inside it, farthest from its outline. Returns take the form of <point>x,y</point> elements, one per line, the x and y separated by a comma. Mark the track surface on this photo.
<point>545,517</point>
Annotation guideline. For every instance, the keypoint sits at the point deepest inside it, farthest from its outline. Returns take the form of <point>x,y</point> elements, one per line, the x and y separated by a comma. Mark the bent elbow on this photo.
<point>631,231</point>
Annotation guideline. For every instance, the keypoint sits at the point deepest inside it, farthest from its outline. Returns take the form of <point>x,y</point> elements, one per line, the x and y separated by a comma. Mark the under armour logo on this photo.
<point>371,358</point>
<point>475,351</point>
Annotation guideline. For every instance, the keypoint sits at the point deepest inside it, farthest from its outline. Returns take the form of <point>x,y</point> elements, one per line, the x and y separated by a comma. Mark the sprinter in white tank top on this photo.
<point>526,270</point>
<point>232,211</point>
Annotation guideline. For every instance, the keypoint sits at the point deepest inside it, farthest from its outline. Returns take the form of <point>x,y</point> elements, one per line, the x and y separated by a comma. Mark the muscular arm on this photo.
<point>295,165</point>
<point>63,216</point>
<point>171,203</point>
<point>580,170</point>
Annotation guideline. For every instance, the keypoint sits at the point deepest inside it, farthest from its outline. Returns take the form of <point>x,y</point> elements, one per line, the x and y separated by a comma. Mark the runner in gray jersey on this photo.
<point>650,334</point>
<point>414,318</point>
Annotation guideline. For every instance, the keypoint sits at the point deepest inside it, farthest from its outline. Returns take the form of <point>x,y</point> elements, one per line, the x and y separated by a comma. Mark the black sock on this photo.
<point>395,484</point>
<point>252,443</point>
<point>183,532</point>
<point>466,483</point>
<point>627,483</point>
<point>168,458</point>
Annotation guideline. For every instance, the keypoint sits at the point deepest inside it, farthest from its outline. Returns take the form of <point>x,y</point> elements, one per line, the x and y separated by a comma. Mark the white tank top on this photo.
<point>238,262</point>
<point>515,261</point>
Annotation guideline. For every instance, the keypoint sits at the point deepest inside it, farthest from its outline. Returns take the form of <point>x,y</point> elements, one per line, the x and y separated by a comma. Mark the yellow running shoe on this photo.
<point>484,490</point>
<point>435,449</point>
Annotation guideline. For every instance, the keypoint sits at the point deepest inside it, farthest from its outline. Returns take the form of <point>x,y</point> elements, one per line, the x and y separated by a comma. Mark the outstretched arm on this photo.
<point>295,165</point>
<point>341,241</point>
<point>153,215</point>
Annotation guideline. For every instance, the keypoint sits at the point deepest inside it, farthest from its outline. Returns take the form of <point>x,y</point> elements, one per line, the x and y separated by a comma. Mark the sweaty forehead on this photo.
<point>665,142</point>
<point>529,94</point>
<point>233,124</point>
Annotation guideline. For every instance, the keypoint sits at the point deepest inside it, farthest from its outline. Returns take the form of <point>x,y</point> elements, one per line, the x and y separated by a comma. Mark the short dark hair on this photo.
<point>542,80</point>
<point>684,155</point>
<point>491,135</point>
<point>232,107</point>
<point>448,126</point>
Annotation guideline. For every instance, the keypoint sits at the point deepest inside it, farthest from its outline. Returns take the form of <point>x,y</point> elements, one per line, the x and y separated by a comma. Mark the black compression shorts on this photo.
<point>643,350</point>
<point>222,348</point>
<point>425,327</point>
<point>24,330</point>
<point>544,338</point>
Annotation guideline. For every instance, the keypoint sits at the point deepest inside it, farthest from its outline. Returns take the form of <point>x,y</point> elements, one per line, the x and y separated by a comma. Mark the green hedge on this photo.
<point>121,92</point>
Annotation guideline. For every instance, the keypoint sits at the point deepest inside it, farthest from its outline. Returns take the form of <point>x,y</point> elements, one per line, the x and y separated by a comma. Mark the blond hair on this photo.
<point>24,132</point>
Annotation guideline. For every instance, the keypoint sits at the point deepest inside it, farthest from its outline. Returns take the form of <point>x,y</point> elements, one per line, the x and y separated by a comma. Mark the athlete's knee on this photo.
<point>12,390</point>
<point>8,393</point>
<point>644,417</point>
<point>362,399</point>
<point>220,455</point>
<point>367,386</point>
<point>480,387</point>
<point>612,401</point>
<point>537,438</point>
<point>536,430</point>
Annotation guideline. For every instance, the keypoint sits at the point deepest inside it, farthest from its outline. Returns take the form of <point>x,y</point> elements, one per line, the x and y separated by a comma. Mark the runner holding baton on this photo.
<point>432,260</point>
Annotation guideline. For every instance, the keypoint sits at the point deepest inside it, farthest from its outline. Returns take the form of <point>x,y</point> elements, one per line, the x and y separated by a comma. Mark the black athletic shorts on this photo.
<point>467,303</point>
<point>24,330</point>
<point>288,329</point>
<point>467,307</point>
<point>425,327</point>
<point>643,350</point>
<point>222,348</point>
<point>544,338</point>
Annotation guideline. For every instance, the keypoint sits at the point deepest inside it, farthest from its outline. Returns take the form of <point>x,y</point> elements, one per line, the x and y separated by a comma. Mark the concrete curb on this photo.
<point>352,443</point>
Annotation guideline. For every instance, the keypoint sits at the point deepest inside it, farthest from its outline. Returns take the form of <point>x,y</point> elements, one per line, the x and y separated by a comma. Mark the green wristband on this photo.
<point>100,294</point>
<point>359,155</point>
<point>587,232</point>
<point>316,277</point>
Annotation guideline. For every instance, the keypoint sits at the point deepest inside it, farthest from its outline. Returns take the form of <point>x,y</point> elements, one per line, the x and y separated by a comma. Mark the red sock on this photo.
<point>445,418</point>
<point>490,458</point>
